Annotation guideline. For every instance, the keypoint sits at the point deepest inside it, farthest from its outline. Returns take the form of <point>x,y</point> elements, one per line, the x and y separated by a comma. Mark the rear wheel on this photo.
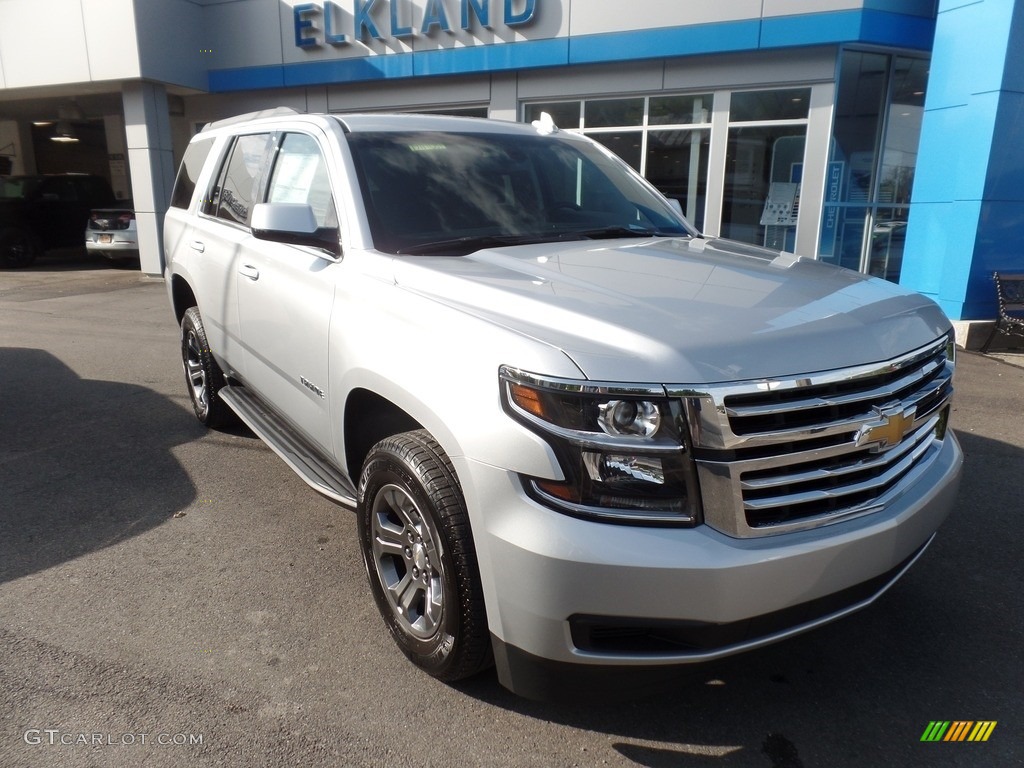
<point>18,247</point>
<point>419,555</point>
<point>202,374</point>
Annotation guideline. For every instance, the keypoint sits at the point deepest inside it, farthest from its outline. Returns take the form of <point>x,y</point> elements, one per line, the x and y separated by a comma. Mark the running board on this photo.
<point>296,451</point>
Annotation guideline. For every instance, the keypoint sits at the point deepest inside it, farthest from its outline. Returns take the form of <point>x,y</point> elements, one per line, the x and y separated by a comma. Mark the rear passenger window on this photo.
<point>188,173</point>
<point>240,178</point>
<point>300,176</point>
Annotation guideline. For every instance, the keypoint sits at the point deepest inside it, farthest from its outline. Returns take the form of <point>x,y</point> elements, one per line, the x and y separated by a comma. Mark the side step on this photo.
<point>296,451</point>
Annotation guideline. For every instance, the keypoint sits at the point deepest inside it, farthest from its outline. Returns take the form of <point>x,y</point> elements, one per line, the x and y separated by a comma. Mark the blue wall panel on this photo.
<point>967,217</point>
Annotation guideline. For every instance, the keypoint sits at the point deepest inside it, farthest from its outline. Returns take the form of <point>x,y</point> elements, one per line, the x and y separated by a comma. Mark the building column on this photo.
<point>967,217</point>
<point>113,126</point>
<point>151,163</point>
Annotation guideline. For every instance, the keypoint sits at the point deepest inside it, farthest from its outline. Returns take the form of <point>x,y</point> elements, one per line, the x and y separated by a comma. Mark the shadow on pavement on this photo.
<point>63,260</point>
<point>83,464</point>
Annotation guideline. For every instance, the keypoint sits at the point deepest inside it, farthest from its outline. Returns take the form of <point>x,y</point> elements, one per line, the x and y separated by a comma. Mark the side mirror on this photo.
<point>294,224</point>
<point>676,205</point>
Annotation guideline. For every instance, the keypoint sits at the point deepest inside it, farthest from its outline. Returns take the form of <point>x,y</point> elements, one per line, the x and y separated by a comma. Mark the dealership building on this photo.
<point>882,135</point>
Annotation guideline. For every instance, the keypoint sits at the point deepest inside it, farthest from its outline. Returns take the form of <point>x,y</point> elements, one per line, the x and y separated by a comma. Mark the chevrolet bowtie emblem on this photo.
<point>888,430</point>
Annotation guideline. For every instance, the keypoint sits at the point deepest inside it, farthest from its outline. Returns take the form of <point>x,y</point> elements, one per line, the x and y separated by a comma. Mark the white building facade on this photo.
<point>790,123</point>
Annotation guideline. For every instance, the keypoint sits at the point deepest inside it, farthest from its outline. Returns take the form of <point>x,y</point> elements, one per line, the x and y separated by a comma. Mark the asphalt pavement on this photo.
<point>176,597</point>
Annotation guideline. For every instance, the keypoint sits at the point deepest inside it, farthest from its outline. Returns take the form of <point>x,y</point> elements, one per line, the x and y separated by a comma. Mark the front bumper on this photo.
<point>550,580</point>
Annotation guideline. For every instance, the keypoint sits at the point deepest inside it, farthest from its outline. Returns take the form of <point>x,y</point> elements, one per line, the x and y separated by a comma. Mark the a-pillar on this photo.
<point>147,130</point>
<point>967,217</point>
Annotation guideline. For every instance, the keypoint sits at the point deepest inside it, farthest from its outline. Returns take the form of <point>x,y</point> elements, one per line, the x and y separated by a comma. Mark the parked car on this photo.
<point>38,213</point>
<point>581,439</point>
<point>111,233</point>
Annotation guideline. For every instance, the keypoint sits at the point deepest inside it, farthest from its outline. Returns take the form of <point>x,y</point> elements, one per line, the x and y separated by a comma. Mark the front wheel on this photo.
<point>419,556</point>
<point>202,374</point>
<point>18,247</point>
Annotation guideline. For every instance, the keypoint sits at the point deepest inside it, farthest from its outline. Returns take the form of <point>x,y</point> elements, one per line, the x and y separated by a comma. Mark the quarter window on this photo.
<point>188,174</point>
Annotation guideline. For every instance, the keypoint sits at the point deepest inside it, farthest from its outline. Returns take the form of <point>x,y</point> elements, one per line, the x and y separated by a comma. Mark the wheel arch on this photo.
<point>182,297</point>
<point>369,418</point>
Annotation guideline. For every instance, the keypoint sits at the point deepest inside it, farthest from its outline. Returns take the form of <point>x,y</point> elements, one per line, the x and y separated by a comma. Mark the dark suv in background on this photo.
<point>42,212</point>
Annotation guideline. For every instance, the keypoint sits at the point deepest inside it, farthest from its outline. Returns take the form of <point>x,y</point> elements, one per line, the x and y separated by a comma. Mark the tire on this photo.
<point>18,247</point>
<point>203,376</point>
<point>419,555</point>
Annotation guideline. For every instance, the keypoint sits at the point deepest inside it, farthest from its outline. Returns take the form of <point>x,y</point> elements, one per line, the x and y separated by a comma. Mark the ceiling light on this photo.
<point>64,133</point>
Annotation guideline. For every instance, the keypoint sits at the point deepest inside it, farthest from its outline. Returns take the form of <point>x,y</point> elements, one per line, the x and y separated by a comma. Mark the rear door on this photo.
<point>216,242</point>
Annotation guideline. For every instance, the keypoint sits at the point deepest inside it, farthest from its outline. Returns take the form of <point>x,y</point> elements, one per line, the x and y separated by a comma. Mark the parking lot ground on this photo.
<point>176,597</point>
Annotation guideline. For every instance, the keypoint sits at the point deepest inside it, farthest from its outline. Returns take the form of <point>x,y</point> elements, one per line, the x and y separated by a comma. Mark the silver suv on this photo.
<point>583,442</point>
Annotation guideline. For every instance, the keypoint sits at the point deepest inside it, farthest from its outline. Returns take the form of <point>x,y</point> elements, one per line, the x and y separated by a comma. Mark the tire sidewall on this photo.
<point>14,237</point>
<point>216,413</point>
<point>435,654</point>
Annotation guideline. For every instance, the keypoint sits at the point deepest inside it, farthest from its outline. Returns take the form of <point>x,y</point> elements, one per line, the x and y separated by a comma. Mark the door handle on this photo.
<point>197,245</point>
<point>248,270</point>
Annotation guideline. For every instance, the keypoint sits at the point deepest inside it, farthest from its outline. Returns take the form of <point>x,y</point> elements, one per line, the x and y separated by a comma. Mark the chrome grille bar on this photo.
<point>776,456</point>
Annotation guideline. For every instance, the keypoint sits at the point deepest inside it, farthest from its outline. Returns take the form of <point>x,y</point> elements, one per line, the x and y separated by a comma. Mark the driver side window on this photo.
<point>300,176</point>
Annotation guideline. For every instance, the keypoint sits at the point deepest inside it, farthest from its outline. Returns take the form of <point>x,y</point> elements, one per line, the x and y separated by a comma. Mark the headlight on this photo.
<point>629,417</point>
<point>622,448</point>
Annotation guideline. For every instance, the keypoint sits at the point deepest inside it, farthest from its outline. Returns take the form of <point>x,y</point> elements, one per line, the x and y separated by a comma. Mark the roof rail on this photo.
<point>275,112</point>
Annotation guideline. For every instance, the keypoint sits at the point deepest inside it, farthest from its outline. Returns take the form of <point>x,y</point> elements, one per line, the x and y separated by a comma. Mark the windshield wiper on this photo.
<point>471,243</point>
<point>602,233</point>
<point>461,246</point>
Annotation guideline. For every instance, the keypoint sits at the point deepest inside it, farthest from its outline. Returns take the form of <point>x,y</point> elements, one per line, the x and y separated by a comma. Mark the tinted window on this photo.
<point>58,189</point>
<point>239,182</point>
<point>188,173</point>
<point>300,176</point>
<point>93,191</point>
<point>422,189</point>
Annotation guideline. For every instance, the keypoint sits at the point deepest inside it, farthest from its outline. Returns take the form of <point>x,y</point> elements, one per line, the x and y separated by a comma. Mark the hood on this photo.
<point>681,311</point>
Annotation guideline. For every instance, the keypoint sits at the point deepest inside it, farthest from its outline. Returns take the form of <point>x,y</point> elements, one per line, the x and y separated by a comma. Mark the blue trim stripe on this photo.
<point>725,37</point>
<point>493,58</point>
<point>868,25</point>
<point>359,70</point>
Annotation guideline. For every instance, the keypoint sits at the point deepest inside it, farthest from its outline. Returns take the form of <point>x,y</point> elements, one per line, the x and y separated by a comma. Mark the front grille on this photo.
<point>783,455</point>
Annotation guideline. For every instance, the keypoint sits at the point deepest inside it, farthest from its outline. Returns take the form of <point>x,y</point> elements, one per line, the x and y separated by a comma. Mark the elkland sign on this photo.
<point>333,23</point>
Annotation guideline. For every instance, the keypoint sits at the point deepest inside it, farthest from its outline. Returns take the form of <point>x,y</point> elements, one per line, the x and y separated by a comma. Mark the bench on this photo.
<point>1010,295</point>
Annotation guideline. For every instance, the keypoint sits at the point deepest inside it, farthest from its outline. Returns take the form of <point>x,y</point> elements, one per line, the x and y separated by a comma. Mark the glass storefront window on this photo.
<point>888,234</point>
<point>764,166</point>
<point>674,156</point>
<point>902,131</point>
<point>566,114</point>
<point>842,234</point>
<point>628,145</point>
<point>612,113</point>
<point>680,110</point>
<point>758,106</point>
<point>763,172</point>
<point>677,164</point>
<point>879,108</point>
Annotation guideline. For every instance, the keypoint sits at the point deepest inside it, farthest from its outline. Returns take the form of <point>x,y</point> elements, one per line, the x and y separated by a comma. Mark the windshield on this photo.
<point>18,187</point>
<point>454,193</point>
